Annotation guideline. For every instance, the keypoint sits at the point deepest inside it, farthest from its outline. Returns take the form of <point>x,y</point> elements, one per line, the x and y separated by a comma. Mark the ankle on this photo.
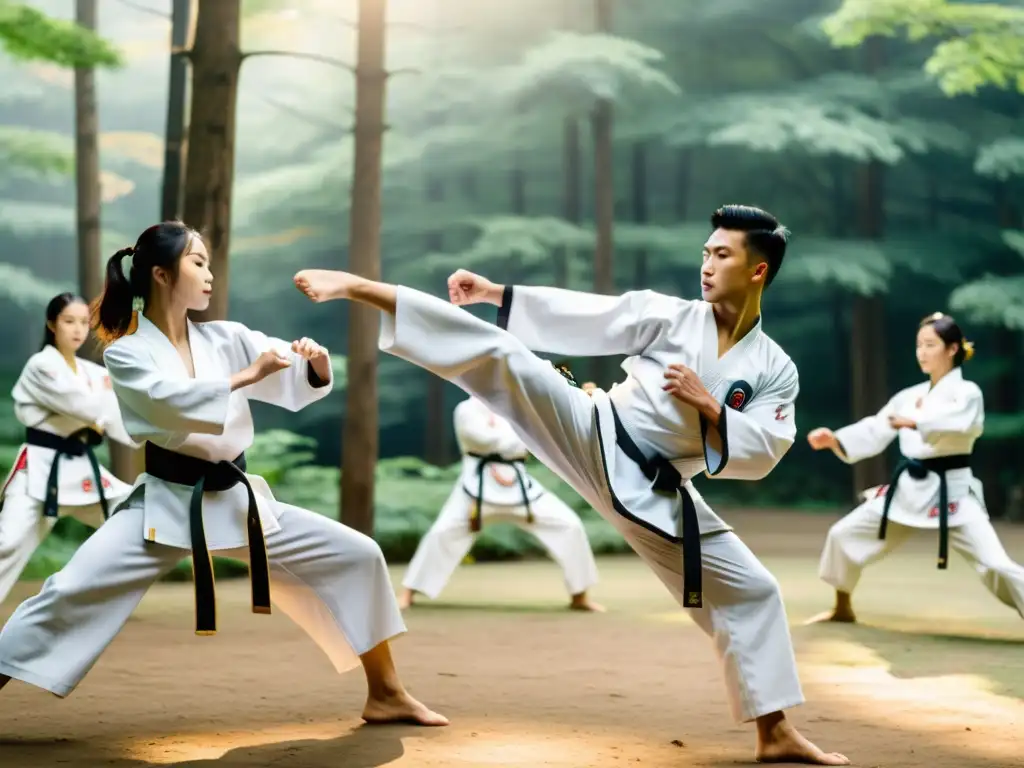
<point>768,725</point>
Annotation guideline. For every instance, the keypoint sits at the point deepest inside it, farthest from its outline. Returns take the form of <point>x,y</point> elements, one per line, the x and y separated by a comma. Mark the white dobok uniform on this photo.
<point>496,487</point>
<point>950,417</point>
<point>332,581</point>
<point>54,401</point>
<point>593,442</point>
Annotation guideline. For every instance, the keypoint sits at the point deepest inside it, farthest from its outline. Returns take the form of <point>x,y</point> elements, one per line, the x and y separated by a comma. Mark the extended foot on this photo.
<point>400,708</point>
<point>325,284</point>
<point>405,599</point>
<point>784,744</point>
<point>584,603</point>
<point>841,616</point>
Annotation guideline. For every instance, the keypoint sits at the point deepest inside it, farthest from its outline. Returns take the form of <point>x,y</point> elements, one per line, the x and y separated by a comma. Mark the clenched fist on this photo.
<point>465,288</point>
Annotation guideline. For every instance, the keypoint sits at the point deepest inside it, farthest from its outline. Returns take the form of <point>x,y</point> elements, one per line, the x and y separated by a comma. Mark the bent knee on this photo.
<point>760,585</point>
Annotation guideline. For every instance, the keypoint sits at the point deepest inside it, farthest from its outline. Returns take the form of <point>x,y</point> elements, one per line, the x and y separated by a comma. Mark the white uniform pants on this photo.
<point>853,543</point>
<point>330,580</point>
<point>743,611</point>
<point>449,539</point>
<point>23,527</point>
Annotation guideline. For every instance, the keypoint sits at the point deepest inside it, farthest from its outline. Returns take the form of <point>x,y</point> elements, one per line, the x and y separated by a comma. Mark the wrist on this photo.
<point>710,409</point>
<point>495,294</point>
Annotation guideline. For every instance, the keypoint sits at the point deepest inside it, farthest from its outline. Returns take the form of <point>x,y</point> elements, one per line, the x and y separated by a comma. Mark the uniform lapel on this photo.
<point>714,369</point>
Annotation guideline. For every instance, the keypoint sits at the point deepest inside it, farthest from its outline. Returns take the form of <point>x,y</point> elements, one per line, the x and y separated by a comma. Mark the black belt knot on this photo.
<point>919,469</point>
<point>667,479</point>
<point>202,475</point>
<point>476,516</point>
<point>80,443</point>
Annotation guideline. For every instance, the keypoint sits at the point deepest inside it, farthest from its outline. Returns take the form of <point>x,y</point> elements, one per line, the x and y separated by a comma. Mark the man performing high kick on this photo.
<point>706,390</point>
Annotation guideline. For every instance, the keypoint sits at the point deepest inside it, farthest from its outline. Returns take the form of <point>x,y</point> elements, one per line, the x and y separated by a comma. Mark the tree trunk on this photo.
<point>572,193</point>
<point>87,167</point>
<point>174,130</point>
<point>604,191</point>
<point>868,350</point>
<point>640,214</point>
<point>360,435</point>
<point>210,166</point>
<point>517,182</point>
<point>88,202</point>
<point>436,437</point>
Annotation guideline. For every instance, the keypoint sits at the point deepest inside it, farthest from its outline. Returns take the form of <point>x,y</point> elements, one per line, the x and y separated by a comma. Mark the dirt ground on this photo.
<point>932,678</point>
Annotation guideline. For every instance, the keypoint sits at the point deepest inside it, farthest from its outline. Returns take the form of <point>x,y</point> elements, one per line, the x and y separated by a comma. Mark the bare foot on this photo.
<point>782,743</point>
<point>836,615</point>
<point>400,708</point>
<point>584,603</point>
<point>325,284</point>
<point>405,599</point>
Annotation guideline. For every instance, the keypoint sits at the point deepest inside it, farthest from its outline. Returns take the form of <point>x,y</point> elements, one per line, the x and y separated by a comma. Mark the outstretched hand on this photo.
<point>821,439</point>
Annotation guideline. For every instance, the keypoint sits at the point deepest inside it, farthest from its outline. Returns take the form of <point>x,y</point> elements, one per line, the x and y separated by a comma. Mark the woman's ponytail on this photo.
<point>112,314</point>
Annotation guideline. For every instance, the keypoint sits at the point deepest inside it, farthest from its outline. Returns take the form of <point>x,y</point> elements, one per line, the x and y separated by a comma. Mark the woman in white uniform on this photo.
<point>184,390</point>
<point>932,489</point>
<point>67,406</point>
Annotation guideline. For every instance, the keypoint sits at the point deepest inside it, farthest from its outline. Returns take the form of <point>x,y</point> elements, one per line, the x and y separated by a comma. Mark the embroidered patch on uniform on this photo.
<point>87,485</point>
<point>882,490</point>
<point>739,393</point>
<point>106,483</point>
<point>779,415</point>
<point>953,506</point>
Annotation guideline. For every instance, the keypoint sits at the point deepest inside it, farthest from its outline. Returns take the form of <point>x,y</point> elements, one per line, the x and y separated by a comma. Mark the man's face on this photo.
<point>728,270</point>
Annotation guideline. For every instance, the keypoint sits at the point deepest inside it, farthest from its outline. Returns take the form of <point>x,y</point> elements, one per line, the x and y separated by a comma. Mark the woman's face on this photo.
<point>71,328</point>
<point>933,354</point>
<point>193,285</point>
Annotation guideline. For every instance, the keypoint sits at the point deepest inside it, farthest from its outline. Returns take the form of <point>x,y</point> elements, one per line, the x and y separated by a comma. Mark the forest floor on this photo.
<point>932,678</point>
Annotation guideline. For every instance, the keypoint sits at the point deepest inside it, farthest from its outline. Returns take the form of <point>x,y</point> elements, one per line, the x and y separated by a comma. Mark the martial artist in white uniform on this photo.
<point>67,409</point>
<point>706,389</point>
<point>186,392</point>
<point>495,486</point>
<point>937,423</point>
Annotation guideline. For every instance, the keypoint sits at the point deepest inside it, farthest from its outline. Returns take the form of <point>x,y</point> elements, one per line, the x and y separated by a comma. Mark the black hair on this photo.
<point>766,238</point>
<point>946,328</point>
<point>162,245</point>
<point>57,305</point>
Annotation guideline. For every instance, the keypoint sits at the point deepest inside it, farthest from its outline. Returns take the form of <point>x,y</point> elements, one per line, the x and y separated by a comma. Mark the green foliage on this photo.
<point>35,153</point>
<point>982,44</point>
<point>992,300</point>
<point>1001,159</point>
<point>30,35</point>
<point>26,289</point>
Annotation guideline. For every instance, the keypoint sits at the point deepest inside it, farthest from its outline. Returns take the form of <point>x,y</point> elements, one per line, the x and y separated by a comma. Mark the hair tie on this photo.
<point>968,348</point>
<point>936,316</point>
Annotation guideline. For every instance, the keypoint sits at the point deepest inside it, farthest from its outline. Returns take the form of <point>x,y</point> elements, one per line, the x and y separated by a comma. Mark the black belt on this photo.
<point>667,479</point>
<point>495,458</point>
<point>919,469</point>
<point>80,443</point>
<point>202,475</point>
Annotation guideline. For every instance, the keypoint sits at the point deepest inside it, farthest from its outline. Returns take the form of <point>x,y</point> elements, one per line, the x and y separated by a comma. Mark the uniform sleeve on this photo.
<point>963,415</point>
<point>153,404</point>
<point>867,437</point>
<point>573,323</point>
<point>56,388</point>
<point>292,388</point>
<point>110,419</point>
<point>748,444</point>
<point>479,431</point>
